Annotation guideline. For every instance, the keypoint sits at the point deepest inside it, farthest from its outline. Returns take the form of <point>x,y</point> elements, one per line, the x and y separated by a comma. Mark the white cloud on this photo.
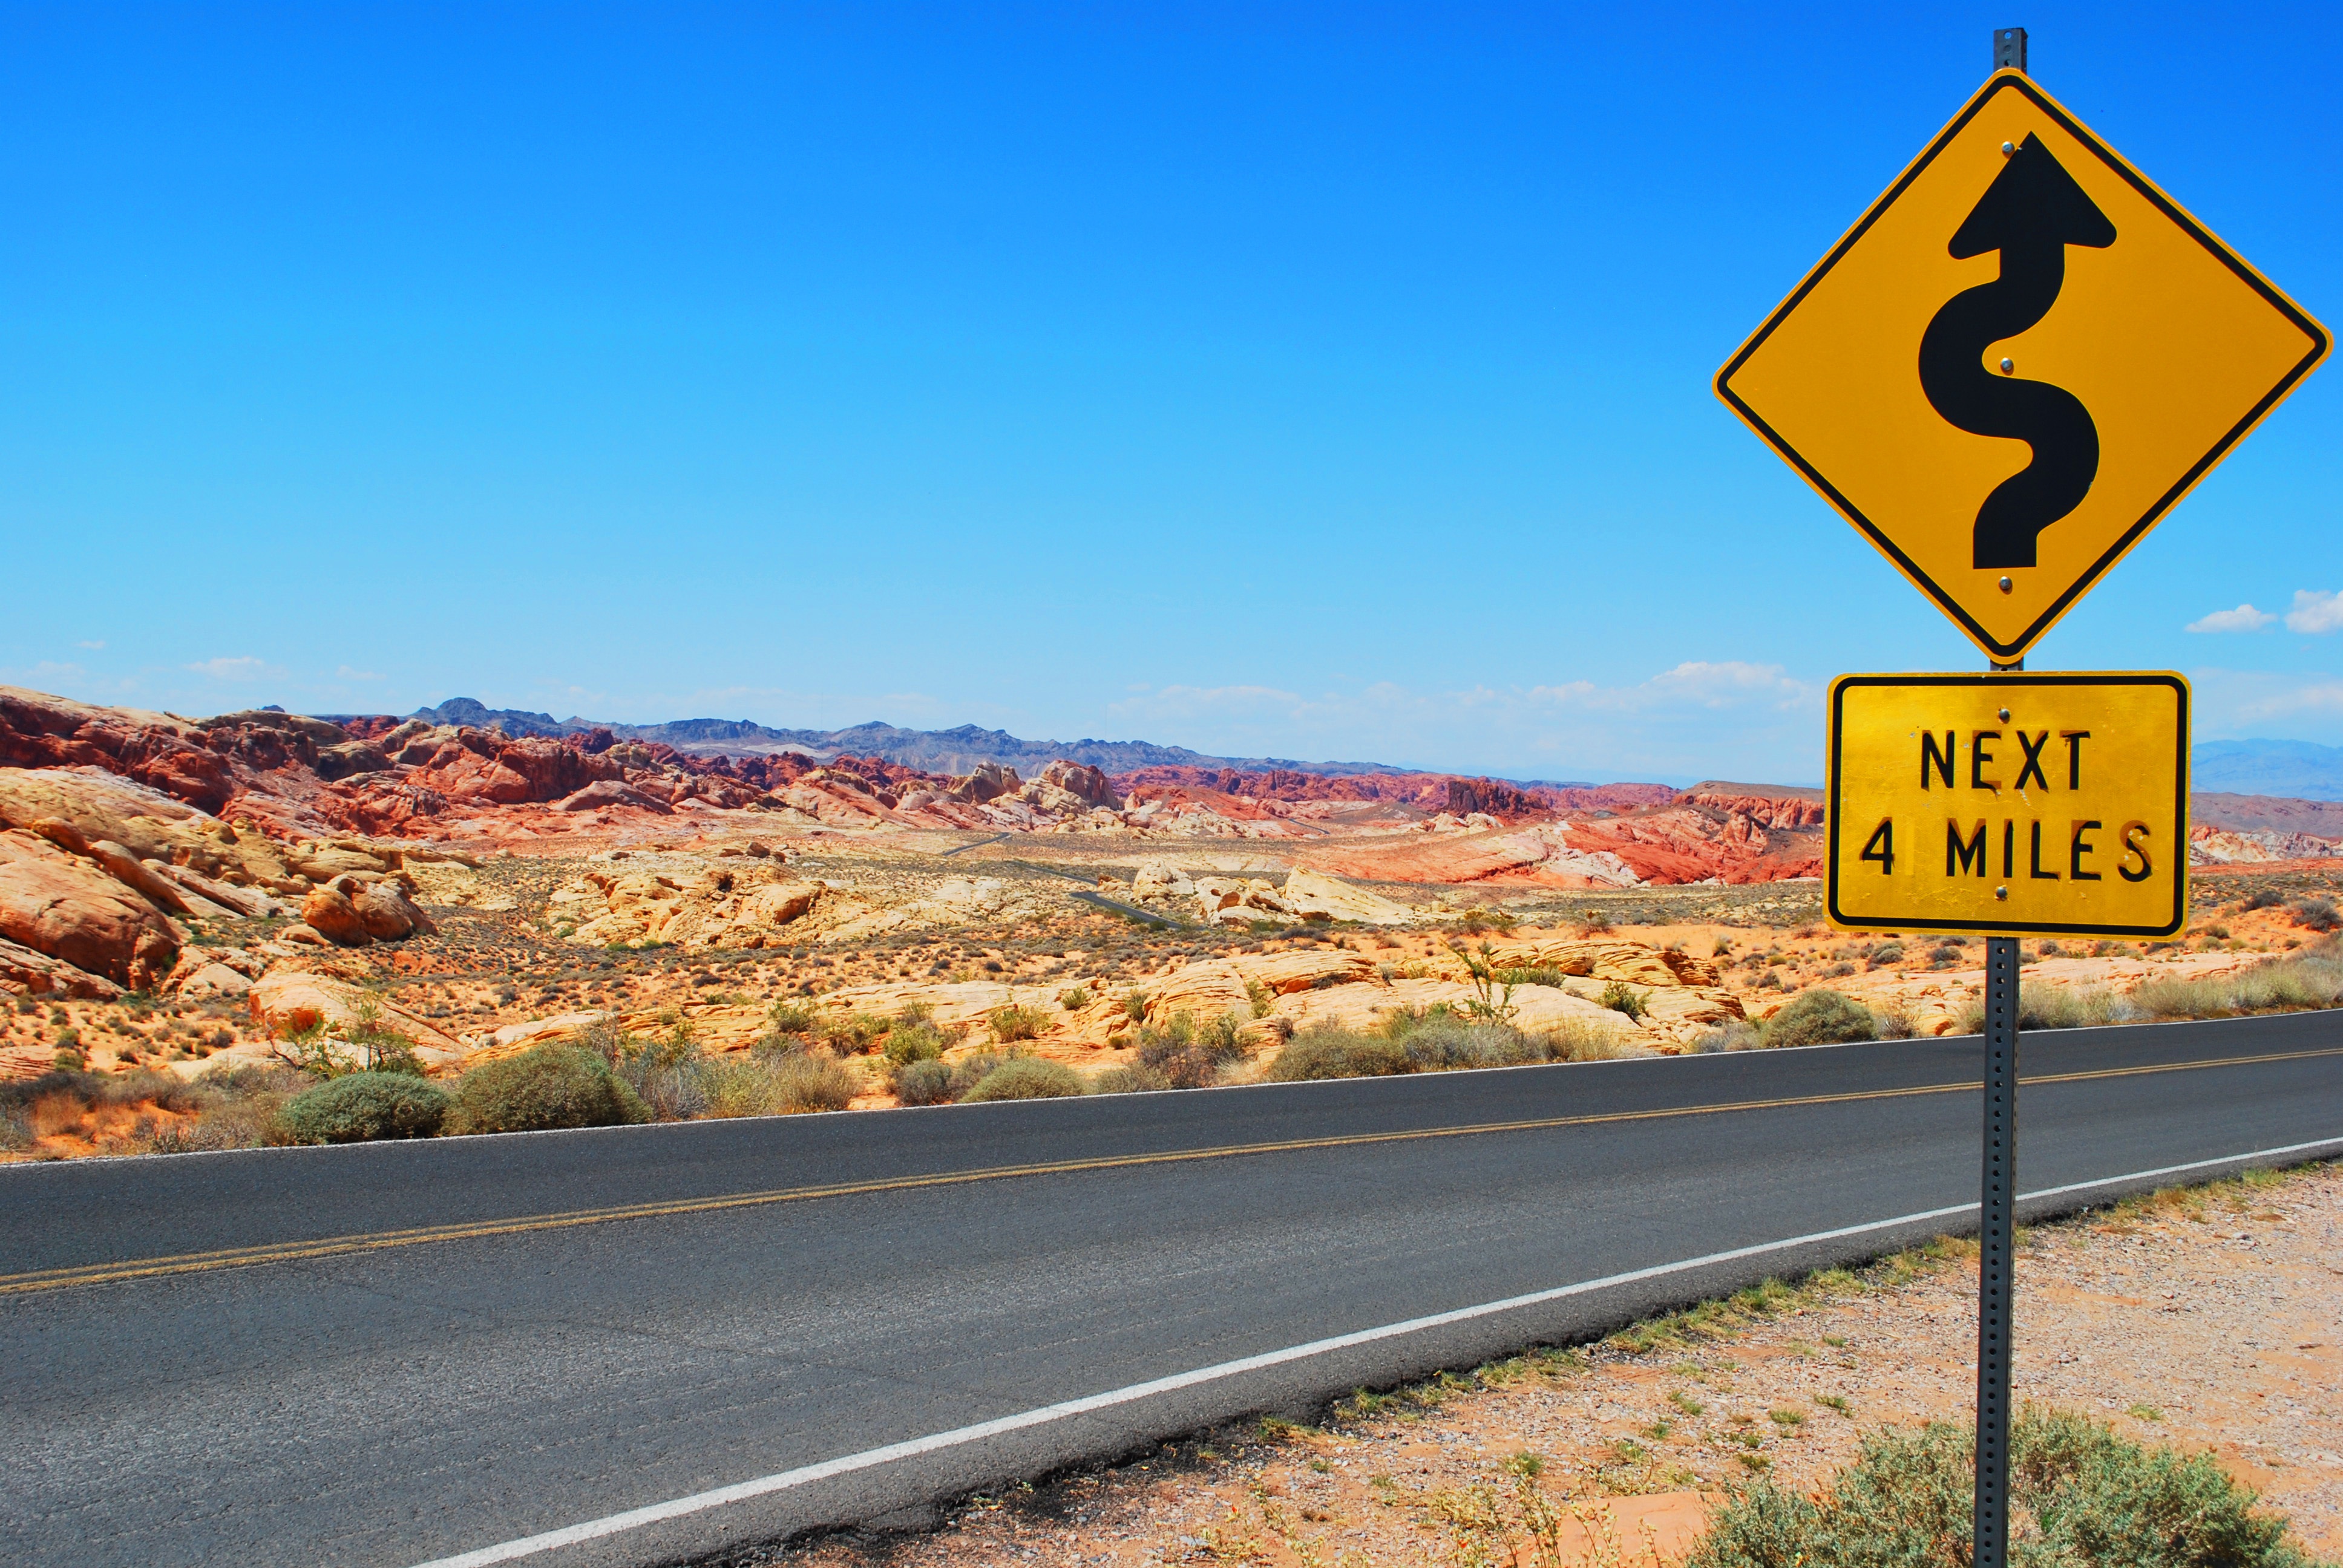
<point>2240,702</point>
<point>91,644</point>
<point>2315,612</point>
<point>238,668</point>
<point>2245,618</point>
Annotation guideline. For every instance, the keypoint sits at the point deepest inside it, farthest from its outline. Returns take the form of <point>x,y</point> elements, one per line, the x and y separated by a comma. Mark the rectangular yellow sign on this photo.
<point>2009,804</point>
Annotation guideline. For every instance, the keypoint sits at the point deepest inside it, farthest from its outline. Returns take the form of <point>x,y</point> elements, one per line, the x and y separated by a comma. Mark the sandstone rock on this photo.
<point>351,756</point>
<point>330,912</point>
<point>248,902</point>
<point>989,781</point>
<point>1156,882</point>
<point>25,972</point>
<point>387,913</point>
<point>68,908</point>
<point>215,982</point>
<point>1086,784</point>
<point>1315,896</point>
<point>126,869</point>
<point>612,792</point>
<point>287,1002</point>
<point>322,862</point>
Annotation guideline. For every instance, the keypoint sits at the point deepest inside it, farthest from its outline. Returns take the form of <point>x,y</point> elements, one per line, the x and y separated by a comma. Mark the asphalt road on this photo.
<point>398,1354</point>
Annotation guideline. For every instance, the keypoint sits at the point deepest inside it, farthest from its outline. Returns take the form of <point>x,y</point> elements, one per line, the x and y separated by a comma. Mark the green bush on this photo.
<point>811,1082</point>
<point>1327,1051</point>
<point>360,1106</point>
<point>1016,1022</point>
<point>1026,1078</point>
<point>1821,1016</point>
<point>548,1087</point>
<point>1127,1080</point>
<point>917,1040</point>
<point>1621,998</point>
<point>928,1083</point>
<point>2094,1499</point>
<point>1184,1054</point>
<point>853,1034</point>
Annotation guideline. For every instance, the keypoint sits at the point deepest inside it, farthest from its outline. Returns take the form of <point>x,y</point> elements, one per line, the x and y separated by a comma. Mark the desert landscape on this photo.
<point>200,919</point>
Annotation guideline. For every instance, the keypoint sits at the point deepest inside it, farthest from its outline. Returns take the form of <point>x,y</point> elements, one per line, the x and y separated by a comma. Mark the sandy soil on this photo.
<point>2211,1320</point>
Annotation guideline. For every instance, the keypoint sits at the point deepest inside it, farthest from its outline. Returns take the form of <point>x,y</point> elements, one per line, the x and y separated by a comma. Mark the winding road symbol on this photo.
<point>2018,282</point>
<point>2031,213</point>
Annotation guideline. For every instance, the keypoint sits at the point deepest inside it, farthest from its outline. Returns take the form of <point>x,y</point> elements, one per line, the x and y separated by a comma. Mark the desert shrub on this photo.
<point>1075,999</point>
<point>1883,955</point>
<point>2261,899</point>
<point>548,1087</point>
<point>15,1128</point>
<point>1576,1041</point>
<point>1732,1034</point>
<point>1594,922</point>
<point>1026,1078</point>
<point>1621,998</point>
<point>918,1040</point>
<point>1126,1081</point>
<point>2095,1501</point>
<point>852,1035</point>
<point>972,1069</point>
<point>1539,974</point>
<point>1440,1043</point>
<point>1329,1051</point>
<point>1183,1054</point>
<point>736,1086</point>
<point>1820,1017</point>
<point>792,1017</point>
<point>810,1082</point>
<point>2315,914</point>
<point>1894,1024</point>
<point>1015,1023</point>
<point>1134,1006</point>
<point>360,1106</point>
<point>365,1044</point>
<point>925,1082</point>
<point>1260,997</point>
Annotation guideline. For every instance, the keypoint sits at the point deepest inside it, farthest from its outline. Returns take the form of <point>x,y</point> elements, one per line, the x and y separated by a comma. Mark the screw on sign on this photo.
<point>2014,365</point>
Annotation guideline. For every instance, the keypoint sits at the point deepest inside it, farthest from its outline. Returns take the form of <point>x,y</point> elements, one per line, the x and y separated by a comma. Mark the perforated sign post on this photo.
<point>2013,366</point>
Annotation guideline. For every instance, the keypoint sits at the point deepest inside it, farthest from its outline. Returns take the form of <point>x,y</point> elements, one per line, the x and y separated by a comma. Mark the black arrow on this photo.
<point>2031,213</point>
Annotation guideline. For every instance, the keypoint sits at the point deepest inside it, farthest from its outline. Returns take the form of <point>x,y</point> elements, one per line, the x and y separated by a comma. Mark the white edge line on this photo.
<point>739,1491</point>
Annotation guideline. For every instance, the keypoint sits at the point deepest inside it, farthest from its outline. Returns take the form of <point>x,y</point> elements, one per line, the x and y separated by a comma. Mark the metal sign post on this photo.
<point>1998,1181</point>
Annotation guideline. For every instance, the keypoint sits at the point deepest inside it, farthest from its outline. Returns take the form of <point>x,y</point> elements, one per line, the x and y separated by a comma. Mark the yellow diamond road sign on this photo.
<point>2008,804</point>
<point>2020,360</point>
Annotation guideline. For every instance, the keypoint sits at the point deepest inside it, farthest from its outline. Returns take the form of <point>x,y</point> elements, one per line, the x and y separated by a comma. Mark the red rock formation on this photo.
<point>68,909</point>
<point>1426,791</point>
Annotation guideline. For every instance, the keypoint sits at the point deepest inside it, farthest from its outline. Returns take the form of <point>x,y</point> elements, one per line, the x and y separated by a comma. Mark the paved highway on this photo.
<point>639,1345</point>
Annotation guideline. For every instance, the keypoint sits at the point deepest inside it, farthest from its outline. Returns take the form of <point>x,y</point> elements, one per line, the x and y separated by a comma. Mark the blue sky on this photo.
<point>1319,382</point>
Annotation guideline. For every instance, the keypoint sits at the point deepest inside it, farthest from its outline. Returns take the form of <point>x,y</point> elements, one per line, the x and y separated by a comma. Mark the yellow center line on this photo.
<point>377,1241</point>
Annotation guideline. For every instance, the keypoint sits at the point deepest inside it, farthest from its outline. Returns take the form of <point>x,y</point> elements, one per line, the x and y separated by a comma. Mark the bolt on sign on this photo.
<point>2018,360</point>
<point>2009,804</point>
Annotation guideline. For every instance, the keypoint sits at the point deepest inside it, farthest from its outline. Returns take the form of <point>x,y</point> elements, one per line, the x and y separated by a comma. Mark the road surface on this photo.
<point>642,1344</point>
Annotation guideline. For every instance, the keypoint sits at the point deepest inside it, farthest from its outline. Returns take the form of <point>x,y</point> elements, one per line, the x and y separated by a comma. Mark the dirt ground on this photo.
<point>2209,1319</point>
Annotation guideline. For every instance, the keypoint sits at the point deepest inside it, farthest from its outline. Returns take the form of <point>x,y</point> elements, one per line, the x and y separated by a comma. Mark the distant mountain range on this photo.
<point>2289,768</point>
<point>957,751</point>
